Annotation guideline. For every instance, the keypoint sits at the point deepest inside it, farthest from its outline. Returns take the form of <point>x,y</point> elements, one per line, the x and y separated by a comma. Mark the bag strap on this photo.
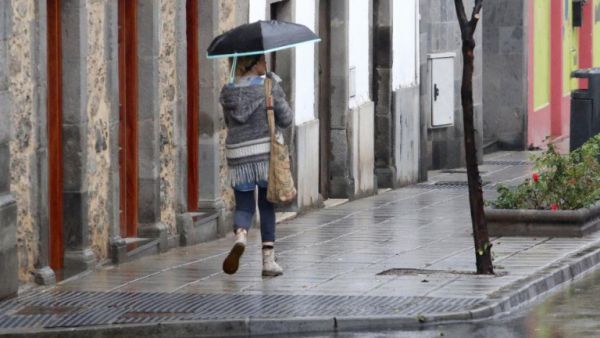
<point>269,104</point>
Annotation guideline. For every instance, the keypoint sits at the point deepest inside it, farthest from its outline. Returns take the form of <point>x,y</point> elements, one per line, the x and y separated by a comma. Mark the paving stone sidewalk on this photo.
<point>334,261</point>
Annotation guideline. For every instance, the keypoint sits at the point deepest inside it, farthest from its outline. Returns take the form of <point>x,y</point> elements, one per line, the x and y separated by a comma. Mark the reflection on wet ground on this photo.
<point>571,312</point>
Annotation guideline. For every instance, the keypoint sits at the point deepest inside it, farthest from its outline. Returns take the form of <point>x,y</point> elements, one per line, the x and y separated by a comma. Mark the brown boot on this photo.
<point>232,261</point>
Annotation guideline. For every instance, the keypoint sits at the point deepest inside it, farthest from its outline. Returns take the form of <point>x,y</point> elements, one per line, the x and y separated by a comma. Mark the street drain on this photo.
<point>47,310</point>
<point>507,163</point>
<point>414,272</point>
<point>459,171</point>
<point>112,308</point>
<point>127,315</point>
<point>451,185</point>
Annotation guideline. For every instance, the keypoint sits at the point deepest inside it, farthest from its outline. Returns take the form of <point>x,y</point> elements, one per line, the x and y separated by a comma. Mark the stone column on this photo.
<point>181,123</point>
<point>382,82</point>
<point>9,273</point>
<point>342,182</point>
<point>74,18</point>
<point>210,117</point>
<point>148,34</point>
<point>112,83</point>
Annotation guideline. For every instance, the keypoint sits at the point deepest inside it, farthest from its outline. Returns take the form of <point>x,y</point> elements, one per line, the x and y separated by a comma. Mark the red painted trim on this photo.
<point>55,168</point>
<point>540,125</point>
<point>556,65</point>
<point>193,108</point>
<point>530,75</point>
<point>585,40</point>
<point>566,115</point>
<point>128,131</point>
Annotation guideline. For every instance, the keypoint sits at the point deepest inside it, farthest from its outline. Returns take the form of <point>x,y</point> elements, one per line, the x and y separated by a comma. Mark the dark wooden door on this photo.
<point>55,180</point>
<point>193,103</point>
<point>324,97</point>
<point>128,153</point>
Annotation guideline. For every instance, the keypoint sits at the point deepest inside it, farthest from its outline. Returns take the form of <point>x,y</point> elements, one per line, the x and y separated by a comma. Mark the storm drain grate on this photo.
<point>77,309</point>
<point>507,163</point>
<point>459,185</point>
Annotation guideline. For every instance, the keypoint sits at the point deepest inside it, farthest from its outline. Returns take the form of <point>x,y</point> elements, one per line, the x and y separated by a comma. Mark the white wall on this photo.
<point>405,32</point>
<point>258,10</point>
<point>304,68</point>
<point>304,55</point>
<point>358,47</point>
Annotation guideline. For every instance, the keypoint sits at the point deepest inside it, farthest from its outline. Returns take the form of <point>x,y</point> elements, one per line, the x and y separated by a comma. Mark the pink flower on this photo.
<point>554,206</point>
<point>536,177</point>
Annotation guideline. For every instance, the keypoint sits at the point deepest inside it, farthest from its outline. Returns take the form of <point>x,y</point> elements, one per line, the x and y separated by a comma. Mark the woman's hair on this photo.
<point>244,64</point>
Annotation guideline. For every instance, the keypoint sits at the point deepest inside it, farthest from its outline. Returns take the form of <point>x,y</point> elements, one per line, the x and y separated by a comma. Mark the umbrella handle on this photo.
<point>232,70</point>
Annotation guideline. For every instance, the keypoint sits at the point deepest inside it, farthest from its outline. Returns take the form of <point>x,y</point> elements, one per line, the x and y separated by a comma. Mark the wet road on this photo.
<point>571,312</point>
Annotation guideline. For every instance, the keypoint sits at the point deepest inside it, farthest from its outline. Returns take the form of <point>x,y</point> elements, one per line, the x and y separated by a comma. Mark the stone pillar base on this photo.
<point>44,276</point>
<point>342,187</point>
<point>197,227</point>
<point>156,230</point>
<point>9,270</point>
<point>77,261</point>
<point>386,177</point>
<point>118,250</point>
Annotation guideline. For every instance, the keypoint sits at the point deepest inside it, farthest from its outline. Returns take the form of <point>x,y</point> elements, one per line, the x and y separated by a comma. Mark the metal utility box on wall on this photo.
<point>441,70</point>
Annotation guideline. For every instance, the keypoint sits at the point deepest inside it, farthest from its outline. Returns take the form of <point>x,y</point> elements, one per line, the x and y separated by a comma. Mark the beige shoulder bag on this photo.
<point>280,187</point>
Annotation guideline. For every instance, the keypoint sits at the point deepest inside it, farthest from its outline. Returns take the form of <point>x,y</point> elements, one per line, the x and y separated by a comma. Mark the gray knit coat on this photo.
<point>248,142</point>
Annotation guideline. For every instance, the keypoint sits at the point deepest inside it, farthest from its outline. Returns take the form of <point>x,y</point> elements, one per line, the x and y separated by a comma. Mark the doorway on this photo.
<point>324,97</point>
<point>55,168</point>
<point>128,150</point>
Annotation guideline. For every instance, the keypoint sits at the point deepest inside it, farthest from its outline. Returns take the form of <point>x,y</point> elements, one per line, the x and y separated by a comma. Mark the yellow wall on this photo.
<point>570,49</point>
<point>541,53</point>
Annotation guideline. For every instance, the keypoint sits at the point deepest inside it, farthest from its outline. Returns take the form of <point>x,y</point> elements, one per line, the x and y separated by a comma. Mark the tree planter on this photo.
<point>543,223</point>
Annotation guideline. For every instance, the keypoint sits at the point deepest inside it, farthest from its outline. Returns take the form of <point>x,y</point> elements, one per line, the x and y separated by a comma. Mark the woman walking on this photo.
<point>247,150</point>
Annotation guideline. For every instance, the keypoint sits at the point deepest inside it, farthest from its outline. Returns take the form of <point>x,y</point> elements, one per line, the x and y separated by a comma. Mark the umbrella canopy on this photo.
<point>260,37</point>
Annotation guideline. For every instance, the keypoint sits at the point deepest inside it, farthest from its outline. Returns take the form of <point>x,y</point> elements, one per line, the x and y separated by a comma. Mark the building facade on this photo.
<point>112,140</point>
<point>111,136</point>
<point>441,76</point>
<point>530,50</point>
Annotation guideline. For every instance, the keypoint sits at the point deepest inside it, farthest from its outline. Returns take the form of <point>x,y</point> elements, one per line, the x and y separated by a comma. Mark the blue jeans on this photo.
<point>245,206</point>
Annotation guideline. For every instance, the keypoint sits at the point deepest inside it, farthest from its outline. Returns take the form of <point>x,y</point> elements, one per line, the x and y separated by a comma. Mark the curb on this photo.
<point>502,301</point>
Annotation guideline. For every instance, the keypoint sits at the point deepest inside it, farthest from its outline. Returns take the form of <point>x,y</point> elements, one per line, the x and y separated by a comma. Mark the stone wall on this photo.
<point>98,113</point>
<point>227,20</point>
<point>9,280</point>
<point>25,91</point>
<point>168,90</point>
<point>231,13</point>
<point>440,33</point>
<point>505,73</point>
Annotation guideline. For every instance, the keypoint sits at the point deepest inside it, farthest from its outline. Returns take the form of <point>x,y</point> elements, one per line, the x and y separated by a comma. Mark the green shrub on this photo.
<point>565,182</point>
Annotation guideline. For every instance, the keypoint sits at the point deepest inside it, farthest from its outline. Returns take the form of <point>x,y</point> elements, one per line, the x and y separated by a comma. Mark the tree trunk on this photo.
<point>480,232</point>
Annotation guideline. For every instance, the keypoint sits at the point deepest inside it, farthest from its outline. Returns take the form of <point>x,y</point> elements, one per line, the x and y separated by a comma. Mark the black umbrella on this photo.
<point>260,37</point>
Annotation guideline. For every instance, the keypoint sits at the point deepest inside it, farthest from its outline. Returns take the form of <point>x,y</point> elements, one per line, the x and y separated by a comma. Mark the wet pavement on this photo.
<point>571,312</point>
<point>406,252</point>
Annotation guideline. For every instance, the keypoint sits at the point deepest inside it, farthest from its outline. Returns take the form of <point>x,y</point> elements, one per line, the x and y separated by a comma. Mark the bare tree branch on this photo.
<point>460,12</point>
<point>475,15</point>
